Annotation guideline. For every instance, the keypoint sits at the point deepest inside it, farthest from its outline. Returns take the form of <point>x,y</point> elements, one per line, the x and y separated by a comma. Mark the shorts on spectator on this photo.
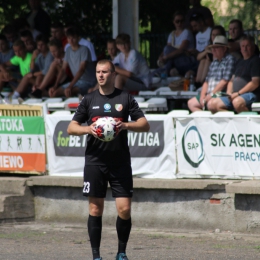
<point>16,78</point>
<point>134,84</point>
<point>248,97</point>
<point>81,84</point>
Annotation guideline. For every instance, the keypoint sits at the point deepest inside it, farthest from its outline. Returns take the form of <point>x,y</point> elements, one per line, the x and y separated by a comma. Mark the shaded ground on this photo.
<point>45,241</point>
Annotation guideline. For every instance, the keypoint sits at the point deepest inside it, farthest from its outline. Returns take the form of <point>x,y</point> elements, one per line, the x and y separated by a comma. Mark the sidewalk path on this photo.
<point>59,241</point>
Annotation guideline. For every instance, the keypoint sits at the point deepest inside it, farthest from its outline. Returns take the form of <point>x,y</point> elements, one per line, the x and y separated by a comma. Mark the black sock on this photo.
<point>123,228</point>
<point>94,231</point>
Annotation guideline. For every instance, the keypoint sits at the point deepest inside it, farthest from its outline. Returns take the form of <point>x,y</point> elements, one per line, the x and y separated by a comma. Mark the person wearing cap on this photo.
<point>243,89</point>
<point>220,73</point>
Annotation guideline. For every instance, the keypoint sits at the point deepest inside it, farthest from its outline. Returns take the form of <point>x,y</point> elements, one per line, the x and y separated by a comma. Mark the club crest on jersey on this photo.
<point>118,107</point>
<point>107,107</point>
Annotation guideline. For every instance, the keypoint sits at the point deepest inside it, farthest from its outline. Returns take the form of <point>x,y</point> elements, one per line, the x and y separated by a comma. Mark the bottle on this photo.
<point>186,83</point>
<point>192,85</point>
<point>164,81</point>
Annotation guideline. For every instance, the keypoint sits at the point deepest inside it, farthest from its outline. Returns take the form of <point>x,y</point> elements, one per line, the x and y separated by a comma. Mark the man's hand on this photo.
<point>233,96</point>
<point>68,91</point>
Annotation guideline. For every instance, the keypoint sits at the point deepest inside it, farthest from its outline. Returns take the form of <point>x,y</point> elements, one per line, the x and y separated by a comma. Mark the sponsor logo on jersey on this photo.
<point>118,107</point>
<point>95,107</point>
<point>107,107</point>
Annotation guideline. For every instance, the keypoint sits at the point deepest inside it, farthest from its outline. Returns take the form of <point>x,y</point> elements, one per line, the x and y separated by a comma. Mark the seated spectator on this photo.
<point>236,32</point>
<point>204,11</point>
<point>37,18</point>
<point>133,73</point>
<point>10,33</point>
<point>83,42</point>
<point>40,63</point>
<point>27,37</point>
<point>175,52</point>
<point>78,58</point>
<point>21,25</point>
<point>205,57</point>
<point>112,50</point>
<point>244,85</point>
<point>202,32</point>
<point>6,53</point>
<point>57,32</point>
<point>22,59</point>
<point>57,51</point>
<point>220,73</point>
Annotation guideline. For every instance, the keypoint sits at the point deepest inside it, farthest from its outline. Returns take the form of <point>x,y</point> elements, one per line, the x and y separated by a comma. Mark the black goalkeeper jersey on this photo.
<point>119,105</point>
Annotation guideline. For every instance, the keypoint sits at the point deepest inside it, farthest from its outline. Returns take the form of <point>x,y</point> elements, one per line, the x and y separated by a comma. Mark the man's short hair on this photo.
<point>57,25</point>
<point>19,43</point>
<point>111,40</point>
<point>9,29</point>
<point>57,43</point>
<point>249,38</point>
<point>238,22</point>
<point>26,33</point>
<point>197,18</point>
<point>123,38</point>
<point>3,38</point>
<point>72,32</point>
<point>42,38</point>
<point>112,66</point>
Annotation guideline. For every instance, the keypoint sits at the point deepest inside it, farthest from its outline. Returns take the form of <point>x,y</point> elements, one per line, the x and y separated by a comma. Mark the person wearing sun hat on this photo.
<point>219,74</point>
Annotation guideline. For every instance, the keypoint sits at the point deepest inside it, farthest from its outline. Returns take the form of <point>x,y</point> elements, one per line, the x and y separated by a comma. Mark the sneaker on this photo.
<point>121,256</point>
<point>98,258</point>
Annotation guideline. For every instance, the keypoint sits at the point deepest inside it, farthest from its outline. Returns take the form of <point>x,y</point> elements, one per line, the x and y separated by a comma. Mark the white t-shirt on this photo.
<point>185,35</point>
<point>135,63</point>
<point>88,44</point>
<point>203,39</point>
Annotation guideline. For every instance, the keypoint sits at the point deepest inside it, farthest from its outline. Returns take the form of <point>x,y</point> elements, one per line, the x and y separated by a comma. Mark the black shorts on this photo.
<point>96,178</point>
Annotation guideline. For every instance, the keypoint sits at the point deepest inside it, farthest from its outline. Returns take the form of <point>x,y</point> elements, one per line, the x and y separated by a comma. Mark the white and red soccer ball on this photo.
<point>106,129</point>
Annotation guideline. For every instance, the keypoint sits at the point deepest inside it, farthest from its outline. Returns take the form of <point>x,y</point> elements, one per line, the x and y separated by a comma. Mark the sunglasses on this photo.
<point>178,21</point>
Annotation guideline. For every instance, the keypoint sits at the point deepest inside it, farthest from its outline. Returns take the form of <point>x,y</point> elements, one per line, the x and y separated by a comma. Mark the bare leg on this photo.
<point>194,105</point>
<point>120,81</point>
<point>216,105</point>
<point>239,104</point>
<point>25,83</point>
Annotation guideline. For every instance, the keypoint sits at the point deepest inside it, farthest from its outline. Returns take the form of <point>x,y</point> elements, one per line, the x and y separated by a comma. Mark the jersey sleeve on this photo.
<point>15,61</point>
<point>134,110</point>
<point>81,114</point>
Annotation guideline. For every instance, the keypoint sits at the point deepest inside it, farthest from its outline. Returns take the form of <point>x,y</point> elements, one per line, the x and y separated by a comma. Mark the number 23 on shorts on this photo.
<point>86,187</point>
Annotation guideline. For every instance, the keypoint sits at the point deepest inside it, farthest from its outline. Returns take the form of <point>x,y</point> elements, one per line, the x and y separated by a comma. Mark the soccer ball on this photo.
<point>106,129</point>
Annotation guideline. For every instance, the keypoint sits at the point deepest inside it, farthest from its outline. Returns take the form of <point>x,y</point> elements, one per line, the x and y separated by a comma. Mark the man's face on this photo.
<point>247,49</point>
<point>42,46</point>
<point>196,26</point>
<point>111,49</point>
<point>55,52</point>
<point>19,51</point>
<point>123,47</point>
<point>104,75</point>
<point>73,40</point>
<point>3,46</point>
<point>218,52</point>
<point>57,33</point>
<point>11,37</point>
<point>234,31</point>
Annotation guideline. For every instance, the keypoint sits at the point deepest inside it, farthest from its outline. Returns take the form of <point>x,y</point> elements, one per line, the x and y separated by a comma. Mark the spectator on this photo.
<point>203,32</point>
<point>22,59</point>
<point>37,18</point>
<point>57,52</point>
<point>133,73</point>
<point>83,42</point>
<point>244,85</point>
<point>235,30</point>
<point>205,57</point>
<point>40,63</point>
<point>197,8</point>
<point>175,52</point>
<point>78,58</point>
<point>11,34</point>
<point>57,32</point>
<point>220,72</point>
<point>112,50</point>
<point>27,37</point>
